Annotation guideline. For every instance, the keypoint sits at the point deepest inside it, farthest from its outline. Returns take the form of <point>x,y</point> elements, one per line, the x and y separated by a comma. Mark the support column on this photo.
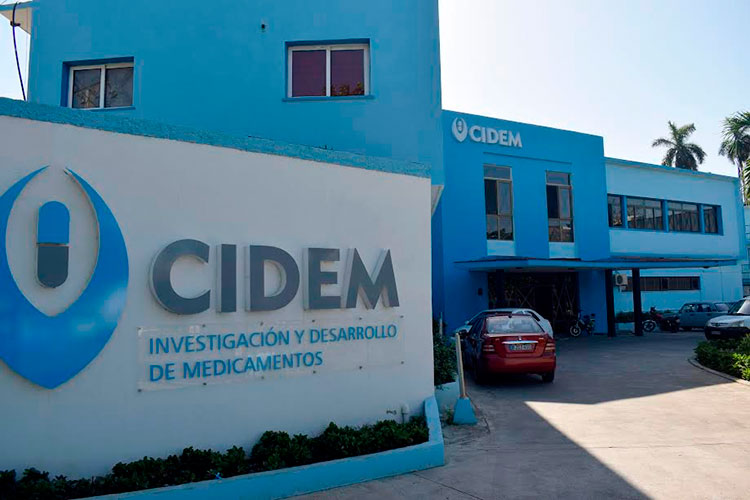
<point>637,305</point>
<point>610,296</point>
<point>501,289</point>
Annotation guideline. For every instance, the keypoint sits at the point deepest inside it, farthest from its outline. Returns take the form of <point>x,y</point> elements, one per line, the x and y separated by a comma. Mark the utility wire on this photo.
<point>14,25</point>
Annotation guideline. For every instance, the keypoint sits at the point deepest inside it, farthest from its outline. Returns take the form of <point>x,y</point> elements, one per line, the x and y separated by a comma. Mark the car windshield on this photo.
<point>512,324</point>
<point>740,308</point>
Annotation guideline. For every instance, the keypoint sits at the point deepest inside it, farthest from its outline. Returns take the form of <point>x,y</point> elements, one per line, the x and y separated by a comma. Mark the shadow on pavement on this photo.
<point>524,446</point>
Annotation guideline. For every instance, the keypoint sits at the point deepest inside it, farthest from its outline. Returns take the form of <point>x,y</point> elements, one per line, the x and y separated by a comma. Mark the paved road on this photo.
<point>626,418</point>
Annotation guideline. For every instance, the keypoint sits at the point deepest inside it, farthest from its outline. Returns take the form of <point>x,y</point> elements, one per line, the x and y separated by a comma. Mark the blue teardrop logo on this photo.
<point>50,350</point>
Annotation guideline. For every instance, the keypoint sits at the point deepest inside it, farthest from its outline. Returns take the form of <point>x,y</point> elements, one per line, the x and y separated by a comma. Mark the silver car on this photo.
<point>696,314</point>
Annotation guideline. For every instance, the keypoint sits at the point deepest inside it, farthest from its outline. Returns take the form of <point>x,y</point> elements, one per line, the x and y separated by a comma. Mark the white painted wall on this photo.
<point>161,191</point>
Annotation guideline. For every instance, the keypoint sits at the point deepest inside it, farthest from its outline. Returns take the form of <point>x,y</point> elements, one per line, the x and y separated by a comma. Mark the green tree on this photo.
<point>680,152</point>
<point>735,145</point>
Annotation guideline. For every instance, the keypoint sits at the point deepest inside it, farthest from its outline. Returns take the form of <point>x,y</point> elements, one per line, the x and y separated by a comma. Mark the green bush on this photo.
<point>274,450</point>
<point>444,356</point>
<point>728,356</point>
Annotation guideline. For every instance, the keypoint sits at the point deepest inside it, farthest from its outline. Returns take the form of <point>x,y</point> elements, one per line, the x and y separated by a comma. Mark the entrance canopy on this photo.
<point>497,263</point>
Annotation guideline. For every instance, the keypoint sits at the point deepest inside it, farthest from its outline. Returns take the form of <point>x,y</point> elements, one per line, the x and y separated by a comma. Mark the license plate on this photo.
<point>521,347</point>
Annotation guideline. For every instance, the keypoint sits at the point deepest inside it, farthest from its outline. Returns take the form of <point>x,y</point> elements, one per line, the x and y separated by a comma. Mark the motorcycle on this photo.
<point>583,323</point>
<point>669,323</point>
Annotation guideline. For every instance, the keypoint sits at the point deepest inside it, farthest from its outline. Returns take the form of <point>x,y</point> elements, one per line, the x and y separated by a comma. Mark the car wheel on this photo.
<point>575,331</point>
<point>548,377</point>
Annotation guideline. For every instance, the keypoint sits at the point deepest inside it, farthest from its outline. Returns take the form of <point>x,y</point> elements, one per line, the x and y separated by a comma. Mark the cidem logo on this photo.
<point>487,135</point>
<point>460,129</point>
<point>50,350</point>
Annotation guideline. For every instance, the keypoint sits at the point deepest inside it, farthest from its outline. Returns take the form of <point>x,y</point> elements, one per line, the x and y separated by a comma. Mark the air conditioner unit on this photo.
<point>621,280</point>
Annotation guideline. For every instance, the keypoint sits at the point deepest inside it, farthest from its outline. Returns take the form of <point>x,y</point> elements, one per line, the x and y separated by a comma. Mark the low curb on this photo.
<point>321,476</point>
<point>696,364</point>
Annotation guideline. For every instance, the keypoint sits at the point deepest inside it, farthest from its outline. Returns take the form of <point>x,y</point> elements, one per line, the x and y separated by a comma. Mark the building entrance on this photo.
<point>553,295</point>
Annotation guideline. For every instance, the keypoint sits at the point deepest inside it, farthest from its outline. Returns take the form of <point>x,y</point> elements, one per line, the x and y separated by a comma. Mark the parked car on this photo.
<point>734,324</point>
<point>545,324</point>
<point>696,314</point>
<point>506,342</point>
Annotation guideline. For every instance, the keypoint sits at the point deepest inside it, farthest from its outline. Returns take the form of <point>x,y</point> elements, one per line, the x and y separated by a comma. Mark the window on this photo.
<point>711,219</point>
<point>101,86</point>
<point>683,217</point>
<point>645,214</point>
<point>512,324</point>
<point>559,207</point>
<point>614,210</point>
<point>665,284</point>
<point>328,70</point>
<point>498,202</point>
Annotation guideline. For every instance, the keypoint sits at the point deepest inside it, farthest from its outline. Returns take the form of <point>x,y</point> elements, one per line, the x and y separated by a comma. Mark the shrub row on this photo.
<point>444,356</point>
<point>728,356</point>
<point>274,450</point>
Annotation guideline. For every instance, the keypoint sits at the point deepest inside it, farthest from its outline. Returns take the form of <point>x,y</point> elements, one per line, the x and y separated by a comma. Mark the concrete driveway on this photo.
<point>626,418</point>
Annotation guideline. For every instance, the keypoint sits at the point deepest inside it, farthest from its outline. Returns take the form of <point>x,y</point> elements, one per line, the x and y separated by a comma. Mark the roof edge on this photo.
<point>157,130</point>
<point>675,170</point>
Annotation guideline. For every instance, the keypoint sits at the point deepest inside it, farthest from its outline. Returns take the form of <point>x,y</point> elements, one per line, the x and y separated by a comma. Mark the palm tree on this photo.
<point>735,145</point>
<point>681,154</point>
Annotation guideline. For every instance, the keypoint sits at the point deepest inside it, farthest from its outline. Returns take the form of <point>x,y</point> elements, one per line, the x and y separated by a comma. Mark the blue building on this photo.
<point>529,215</point>
<point>331,74</point>
<point>537,217</point>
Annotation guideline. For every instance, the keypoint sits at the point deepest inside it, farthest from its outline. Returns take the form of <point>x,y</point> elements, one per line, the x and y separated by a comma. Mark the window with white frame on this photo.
<point>328,70</point>
<point>101,86</point>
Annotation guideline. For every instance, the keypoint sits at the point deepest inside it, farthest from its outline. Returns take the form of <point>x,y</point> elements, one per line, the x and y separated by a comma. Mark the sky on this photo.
<point>620,69</point>
<point>616,68</point>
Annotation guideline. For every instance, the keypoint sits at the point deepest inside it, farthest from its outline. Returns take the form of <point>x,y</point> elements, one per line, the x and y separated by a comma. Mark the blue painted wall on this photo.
<point>722,284</point>
<point>209,65</point>
<point>654,181</point>
<point>462,214</point>
<point>592,297</point>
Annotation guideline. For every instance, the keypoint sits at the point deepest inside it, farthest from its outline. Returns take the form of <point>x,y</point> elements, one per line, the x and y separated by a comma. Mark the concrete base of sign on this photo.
<point>446,396</point>
<point>463,413</point>
<point>316,477</point>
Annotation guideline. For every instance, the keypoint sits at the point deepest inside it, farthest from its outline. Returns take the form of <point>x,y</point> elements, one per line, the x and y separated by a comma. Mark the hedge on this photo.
<point>728,356</point>
<point>274,450</point>
<point>444,357</point>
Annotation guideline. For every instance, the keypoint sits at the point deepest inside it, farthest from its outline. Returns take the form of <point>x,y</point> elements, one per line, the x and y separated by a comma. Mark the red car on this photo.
<point>509,343</point>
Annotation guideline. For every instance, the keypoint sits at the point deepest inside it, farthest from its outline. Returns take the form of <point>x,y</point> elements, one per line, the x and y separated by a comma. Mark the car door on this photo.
<point>687,316</point>
<point>703,314</point>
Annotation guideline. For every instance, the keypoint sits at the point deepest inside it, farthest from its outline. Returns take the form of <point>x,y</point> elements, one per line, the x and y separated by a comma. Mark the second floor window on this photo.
<point>498,201</point>
<point>328,70</point>
<point>644,213</point>
<point>614,210</point>
<point>101,86</point>
<point>559,207</point>
<point>683,217</point>
<point>711,219</point>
